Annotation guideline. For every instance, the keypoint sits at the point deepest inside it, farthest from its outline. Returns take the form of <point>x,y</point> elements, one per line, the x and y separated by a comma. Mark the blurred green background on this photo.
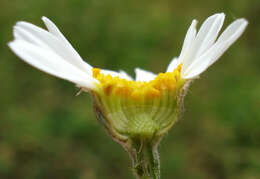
<point>48,132</point>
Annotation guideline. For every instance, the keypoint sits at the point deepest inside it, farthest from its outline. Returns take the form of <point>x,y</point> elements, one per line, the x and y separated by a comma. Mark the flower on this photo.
<point>136,113</point>
<point>144,108</point>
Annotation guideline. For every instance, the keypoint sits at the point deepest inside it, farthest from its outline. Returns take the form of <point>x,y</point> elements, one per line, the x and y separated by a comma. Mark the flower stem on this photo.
<point>146,162</point>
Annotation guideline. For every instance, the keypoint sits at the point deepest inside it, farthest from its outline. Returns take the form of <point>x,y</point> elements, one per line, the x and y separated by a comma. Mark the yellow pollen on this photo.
<point>95,72</point>
<point>136,89</point>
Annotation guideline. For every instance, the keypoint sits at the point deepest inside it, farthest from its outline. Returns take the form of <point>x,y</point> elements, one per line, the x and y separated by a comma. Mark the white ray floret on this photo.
<point>120,74</point>
<point>143,75</point>
<point>50,52</point>
<point>200,50</point>
<point>51,63</point>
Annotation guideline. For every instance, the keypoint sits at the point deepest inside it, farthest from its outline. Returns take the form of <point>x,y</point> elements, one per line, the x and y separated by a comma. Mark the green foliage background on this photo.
<point>47,132</point>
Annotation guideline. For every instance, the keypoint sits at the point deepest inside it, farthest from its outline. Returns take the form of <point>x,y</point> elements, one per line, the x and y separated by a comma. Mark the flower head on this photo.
<point>144,108</point>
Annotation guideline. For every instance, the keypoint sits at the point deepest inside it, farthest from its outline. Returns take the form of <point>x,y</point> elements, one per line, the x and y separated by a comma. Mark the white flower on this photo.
<point>151,100</point>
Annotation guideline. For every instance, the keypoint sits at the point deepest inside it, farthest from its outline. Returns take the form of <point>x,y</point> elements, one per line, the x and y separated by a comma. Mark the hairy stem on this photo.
<point>146,162</point>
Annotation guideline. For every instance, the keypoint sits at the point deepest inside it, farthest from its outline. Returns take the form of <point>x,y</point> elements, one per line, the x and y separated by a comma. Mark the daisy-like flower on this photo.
<point>138,112</point>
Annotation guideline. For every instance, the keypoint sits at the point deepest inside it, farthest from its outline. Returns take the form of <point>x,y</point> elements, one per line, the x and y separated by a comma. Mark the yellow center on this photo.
<point>137,89</point>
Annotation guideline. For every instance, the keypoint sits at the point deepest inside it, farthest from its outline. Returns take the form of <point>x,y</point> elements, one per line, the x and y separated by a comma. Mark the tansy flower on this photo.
<point>136,113</point>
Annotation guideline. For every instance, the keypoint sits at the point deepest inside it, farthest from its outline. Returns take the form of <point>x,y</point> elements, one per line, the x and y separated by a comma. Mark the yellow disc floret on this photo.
<point>137,89</point>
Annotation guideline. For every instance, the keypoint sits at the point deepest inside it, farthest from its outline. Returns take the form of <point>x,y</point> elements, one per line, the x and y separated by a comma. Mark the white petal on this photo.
<point>110,72</point>
<point>189,39</point>
<point>42,39</point>
<point>227,38</point>
<point>55,31</point>
<point>208,33</point>
<point>45,39</point>
<point>204,39</point>
<point>52,28</point>
<point>51,63</point>
<point>173,64</point>
<point>120,74</point>
<point>124,75</point>
<point>197,68</point>
<point>142,75</point>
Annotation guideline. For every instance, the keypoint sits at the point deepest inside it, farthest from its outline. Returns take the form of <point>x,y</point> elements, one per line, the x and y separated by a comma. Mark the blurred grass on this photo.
<point>47,132</point>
